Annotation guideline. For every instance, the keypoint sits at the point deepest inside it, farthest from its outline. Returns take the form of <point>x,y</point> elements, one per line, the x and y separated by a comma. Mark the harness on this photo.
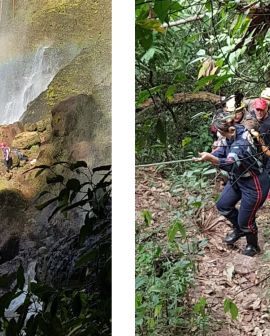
<point>251,163</point>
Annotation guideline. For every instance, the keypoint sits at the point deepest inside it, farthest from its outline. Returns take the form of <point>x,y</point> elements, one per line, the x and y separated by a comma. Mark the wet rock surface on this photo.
<point>26,233</point>
<point>58,267</point>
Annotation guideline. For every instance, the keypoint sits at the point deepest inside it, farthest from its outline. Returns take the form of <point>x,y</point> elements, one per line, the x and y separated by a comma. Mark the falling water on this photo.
<point>1,9</point>
<point>29,276</point>
<point>24,78</point>
<point>25,72</point>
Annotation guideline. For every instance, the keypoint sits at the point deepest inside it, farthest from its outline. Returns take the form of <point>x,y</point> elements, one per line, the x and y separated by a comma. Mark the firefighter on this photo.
<point>248,182</point>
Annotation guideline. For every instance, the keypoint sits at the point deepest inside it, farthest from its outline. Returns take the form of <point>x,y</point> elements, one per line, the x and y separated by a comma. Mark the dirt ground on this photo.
<point>222,272</point>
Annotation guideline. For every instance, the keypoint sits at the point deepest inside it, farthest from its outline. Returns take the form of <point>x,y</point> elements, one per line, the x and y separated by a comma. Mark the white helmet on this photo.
<point>230,104</point>
<point>266,93</point>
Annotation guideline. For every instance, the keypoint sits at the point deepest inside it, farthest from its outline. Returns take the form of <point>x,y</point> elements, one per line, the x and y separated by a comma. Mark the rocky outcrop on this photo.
<point>8,132</point>
<point>74,133</point>
<point>76,118</point>
<point>58,267</point>
<point>71,120</point>
<point>26,140</point>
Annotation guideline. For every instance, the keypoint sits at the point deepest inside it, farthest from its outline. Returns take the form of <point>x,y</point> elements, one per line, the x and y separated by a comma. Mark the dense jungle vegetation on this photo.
<point>189,56</point>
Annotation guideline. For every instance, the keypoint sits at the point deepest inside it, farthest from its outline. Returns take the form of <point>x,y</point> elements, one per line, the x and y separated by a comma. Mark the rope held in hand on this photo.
<point>162,163</point>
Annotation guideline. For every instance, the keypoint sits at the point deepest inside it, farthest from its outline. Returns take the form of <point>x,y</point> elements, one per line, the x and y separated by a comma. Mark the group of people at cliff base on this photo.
<point>242,131</point>
<point>7,158</point>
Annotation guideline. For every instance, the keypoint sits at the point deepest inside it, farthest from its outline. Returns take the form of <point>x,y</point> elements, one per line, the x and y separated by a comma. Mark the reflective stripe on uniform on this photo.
<point>235,157</point>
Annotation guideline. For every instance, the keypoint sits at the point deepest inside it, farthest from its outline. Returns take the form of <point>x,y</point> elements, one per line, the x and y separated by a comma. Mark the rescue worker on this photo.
<point>20,155</point>
<point>265,94</point>
<point>260,111</point>
<point>236,107</point>
<point>248,182</point>
<point>234,111</point>
<point>225,113</point>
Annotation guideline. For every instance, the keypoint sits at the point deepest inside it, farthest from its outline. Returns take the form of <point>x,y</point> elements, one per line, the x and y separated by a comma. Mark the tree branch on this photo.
<point>181,98</point>
<point>254,285</point>
<point>183,21</point>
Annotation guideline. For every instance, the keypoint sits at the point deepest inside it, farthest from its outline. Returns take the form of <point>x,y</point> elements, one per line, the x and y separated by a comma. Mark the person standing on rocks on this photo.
<point>248,182</point>
<point>6,154</point>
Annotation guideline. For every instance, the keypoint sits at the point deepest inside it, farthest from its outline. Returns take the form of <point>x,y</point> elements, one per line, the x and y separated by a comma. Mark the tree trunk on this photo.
<point>181,98</point>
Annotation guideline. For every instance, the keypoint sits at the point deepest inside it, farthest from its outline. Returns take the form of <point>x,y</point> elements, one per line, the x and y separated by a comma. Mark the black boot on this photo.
<point>233,236</point>
<point>252,247</point>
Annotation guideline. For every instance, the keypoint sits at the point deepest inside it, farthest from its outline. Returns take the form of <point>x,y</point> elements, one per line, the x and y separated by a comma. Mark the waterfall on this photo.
<point>1,10</point>
<point>25,78</point>
<point>7,8</point>
<point>36,306</point>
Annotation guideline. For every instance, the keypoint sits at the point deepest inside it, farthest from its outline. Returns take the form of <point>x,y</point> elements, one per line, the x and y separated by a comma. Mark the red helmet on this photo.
<point>260,104</point>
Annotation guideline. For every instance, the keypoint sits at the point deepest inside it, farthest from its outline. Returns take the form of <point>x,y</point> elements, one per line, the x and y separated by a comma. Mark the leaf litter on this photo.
<point>222,271</point>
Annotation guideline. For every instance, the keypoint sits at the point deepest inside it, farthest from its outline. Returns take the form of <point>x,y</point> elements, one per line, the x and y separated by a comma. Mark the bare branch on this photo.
<point>181,98</point>
<point>183,21</point>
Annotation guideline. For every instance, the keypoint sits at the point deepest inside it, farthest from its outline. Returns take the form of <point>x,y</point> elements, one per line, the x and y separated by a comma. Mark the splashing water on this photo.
<point>25,78</point>
<point>35,306</point>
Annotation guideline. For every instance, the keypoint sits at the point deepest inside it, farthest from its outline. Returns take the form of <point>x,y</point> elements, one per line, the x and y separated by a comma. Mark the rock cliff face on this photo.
<point>70,120</point>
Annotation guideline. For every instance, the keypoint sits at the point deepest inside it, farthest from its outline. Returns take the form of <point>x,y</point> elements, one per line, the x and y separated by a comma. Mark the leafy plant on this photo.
<point>230,306</point>
<point>164,274</point>
<point>147,217</point>
<point>70,310</point>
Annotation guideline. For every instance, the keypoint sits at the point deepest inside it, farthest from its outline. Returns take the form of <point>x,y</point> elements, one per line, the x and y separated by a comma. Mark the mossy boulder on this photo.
<point>41,125</point>
<point>26,140</point>
<point>30,127</point>
<point>33,151</point>
<point>80,150</point>
<point>46,154</point>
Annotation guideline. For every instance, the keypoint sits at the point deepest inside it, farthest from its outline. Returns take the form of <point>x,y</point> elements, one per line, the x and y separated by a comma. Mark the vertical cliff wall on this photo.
<point>55,50</point>
<point>55,75</point>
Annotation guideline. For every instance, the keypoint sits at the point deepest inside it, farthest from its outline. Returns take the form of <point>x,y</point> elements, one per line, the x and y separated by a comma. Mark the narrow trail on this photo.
<point>222,271</point>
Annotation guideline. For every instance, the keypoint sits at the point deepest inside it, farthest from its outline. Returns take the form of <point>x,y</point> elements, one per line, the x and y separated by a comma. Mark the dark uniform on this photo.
<point>248,182</point>
<point>264,129</point>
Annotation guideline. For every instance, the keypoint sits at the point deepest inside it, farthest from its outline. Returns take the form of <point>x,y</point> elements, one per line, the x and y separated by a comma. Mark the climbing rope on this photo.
<point>162,163</point>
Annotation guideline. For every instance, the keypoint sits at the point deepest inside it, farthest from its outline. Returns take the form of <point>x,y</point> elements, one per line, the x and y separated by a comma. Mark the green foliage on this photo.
<point>164,274</point>
<point>150,148</point>
<point>70,311</point>
<point>230,306</point>
<point>83,193</point>
<point>147,217</point>
<point>231,36</point>
<point>196,183</point>
<point>176,226</point>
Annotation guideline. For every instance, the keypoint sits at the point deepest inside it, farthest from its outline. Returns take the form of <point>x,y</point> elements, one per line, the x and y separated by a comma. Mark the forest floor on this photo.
<point>222,271</point>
